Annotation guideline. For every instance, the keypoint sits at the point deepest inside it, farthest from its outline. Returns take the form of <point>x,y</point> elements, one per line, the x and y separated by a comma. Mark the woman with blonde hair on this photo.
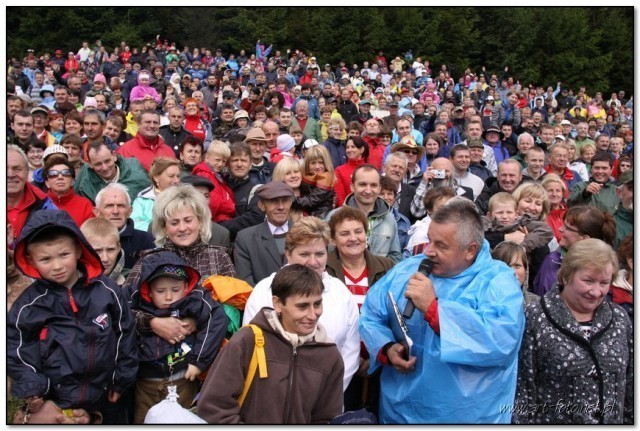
<point>316,190</point>
<point>289,170</point>
<point>164,172</point>
<point>531,198</point>
<point>574,163</point>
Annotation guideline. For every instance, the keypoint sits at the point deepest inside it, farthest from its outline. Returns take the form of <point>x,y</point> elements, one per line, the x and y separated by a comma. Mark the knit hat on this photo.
<point>90,102</point>
<point>54,149</point>
<point>100,78</point>
<point>285,142</point>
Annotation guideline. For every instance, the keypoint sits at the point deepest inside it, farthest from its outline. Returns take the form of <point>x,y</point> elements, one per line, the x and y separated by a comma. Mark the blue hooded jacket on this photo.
<point>467,374</point>
<point>71,345</point>
<point>197,303</point>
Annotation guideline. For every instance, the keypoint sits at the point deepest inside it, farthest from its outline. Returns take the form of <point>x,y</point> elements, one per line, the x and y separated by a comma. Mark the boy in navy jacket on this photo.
<point>70,335</point>
<point>167,288</point>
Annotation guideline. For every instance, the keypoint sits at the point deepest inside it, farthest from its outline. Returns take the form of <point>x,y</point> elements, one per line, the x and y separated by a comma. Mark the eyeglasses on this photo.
<point>54,173</point>
<point>408,151</point>
<point>385,138</point>
<point>569,228</point>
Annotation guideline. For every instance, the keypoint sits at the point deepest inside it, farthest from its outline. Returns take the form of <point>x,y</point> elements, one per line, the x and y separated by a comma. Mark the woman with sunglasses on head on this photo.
<point>59,176</point>
<point>580,222</point>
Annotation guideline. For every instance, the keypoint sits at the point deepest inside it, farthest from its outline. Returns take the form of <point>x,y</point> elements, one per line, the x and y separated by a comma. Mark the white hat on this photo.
<point>565,123</point>
<point>310,143</point>
<point>54,149</point>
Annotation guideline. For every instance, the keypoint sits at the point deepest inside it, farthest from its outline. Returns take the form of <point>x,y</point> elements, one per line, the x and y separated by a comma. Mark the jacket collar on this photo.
<point>560,316</point>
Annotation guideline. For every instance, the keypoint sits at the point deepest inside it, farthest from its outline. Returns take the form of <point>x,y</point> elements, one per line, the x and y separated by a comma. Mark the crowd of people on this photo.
<point>158,199</point>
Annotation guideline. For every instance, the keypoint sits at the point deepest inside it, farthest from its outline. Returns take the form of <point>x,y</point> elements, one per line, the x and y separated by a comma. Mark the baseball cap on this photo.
<point>174,271</point>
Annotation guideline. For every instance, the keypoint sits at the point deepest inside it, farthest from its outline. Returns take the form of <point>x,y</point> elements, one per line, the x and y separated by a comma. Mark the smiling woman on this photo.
<point>181,224</point>
<point>560,361</point>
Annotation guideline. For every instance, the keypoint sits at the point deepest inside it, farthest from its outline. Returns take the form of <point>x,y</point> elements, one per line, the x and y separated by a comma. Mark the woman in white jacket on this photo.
<point>306,243</point>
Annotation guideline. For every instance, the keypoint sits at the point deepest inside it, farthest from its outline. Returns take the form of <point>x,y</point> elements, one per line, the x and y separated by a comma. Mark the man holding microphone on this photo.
<point>466,329</point>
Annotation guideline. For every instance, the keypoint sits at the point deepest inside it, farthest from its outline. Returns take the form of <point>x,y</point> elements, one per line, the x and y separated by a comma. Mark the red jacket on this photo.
<point>554,219</point>
<point>79,208</point>
<point>343,179</point>
<point>32,200</point>
<point>221,200</point>
<point>145,151</point>
<point>376,151</point>
<point>194,125</point>
<point>70,65</point>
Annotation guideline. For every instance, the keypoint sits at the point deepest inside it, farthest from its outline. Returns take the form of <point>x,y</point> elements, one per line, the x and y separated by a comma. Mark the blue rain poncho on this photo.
<point>467,374</point>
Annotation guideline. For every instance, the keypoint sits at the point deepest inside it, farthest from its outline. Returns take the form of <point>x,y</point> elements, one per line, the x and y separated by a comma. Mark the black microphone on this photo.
<point>426,266</point>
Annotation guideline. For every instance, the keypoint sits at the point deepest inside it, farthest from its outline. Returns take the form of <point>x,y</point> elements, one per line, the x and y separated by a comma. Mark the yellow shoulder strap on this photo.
<point>258,361</point>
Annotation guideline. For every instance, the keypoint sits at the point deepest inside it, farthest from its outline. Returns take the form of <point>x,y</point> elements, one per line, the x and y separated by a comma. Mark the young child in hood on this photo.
<point>70,335</point>
<point>285,147</point>
<point>167,288</point>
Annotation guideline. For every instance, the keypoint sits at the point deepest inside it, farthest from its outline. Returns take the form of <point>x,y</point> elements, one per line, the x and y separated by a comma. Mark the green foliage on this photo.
<point>590,46</point>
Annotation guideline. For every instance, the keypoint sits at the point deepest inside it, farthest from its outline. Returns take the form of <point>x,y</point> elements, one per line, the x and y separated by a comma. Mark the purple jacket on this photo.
<point>548,273</point>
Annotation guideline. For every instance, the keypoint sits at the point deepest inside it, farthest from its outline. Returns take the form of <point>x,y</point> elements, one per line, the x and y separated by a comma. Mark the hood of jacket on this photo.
<point>380,209</point>
<point>152,261</point>
<point>58,219</point>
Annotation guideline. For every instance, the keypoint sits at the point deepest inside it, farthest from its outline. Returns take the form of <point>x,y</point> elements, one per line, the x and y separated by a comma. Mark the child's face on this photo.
<point>108,248</point>
<point>530,205</point>
<point>317,166</point>
<point>297,137</point>
<point>56,260</point>
<point>518,267</point>
<point>217,162</point>
<point>164,291</point>
<point>505,213</point>
<point>388,195</point>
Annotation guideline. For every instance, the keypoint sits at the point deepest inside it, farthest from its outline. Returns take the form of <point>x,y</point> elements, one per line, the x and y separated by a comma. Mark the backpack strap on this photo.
<point>258,361</point>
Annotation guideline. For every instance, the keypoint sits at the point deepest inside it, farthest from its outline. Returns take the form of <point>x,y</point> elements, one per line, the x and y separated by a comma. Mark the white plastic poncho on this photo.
<point>467,374</point>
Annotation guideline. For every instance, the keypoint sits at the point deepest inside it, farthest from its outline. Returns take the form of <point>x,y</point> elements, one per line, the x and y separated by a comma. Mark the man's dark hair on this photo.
<point>21,113</point>
<point>239,149</point>
<point>602,156</point>
<point>365,167</point>
<point>296,279</point>
<point>95,146</point>
<point>456,149</point>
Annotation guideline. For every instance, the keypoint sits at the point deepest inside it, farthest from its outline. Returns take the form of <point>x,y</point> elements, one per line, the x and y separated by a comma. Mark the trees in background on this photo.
<point>591,46</point>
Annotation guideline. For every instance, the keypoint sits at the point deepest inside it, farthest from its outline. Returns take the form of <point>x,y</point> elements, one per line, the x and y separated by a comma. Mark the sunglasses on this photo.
<point>54,173</point>
<point>408,151</point>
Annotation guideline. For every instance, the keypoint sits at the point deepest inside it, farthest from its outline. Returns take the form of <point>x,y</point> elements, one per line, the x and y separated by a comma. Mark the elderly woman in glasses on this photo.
<point>59,176</point>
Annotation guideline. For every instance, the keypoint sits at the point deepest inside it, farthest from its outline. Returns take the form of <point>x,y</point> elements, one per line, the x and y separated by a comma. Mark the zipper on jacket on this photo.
<point>290,385</point>
<point>90,361</point>
<point>72,301</point>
